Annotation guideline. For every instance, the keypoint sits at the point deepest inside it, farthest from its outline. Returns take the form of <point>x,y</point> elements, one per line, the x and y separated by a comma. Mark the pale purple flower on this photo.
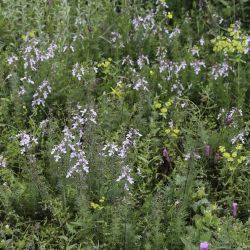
<point>207,151</point>
<point>72,141</point>
<point>228,120</point>
<point>127,60</point>
<point>165,155</point>
<point>200,3</point>
<point>26,141</point>
<point>32,54</point>
<point>147,23</point>
<point>216,157</point>
<point>142,60</point>
<point>174,33</point>
<point>126,176</point>
<point>41,94</point>
<point>197,64</point>
<point>140,83</point>
<point>178,88</point>
<point>12,59</point>
<point>116,40</point>
<point>240,137</point>
<point>204,246</point>
<point>129,140</point>
<point>112,148</point>
<point>21,91</point>
<point>220,70</point>
<point>195,51</point>
<point>234,208</point>
<point>78,71</point>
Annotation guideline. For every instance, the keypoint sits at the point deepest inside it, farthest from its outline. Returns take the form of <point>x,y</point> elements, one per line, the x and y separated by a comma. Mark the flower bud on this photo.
<point>228,120</point>
<point>207,151</point>
<point>165,154</point>
<point>216,157</point>
<point>235,208</point>
<point>204,246</point>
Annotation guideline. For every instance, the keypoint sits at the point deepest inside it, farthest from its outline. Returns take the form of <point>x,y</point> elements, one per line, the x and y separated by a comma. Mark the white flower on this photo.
<point>174,33</point>
<point>202,41</point>
<point>2,162</point>
<point>140,83</point>
<point>21,91</point>
<point>12,59</point>
<point>78,71</point>
<point>126,176</point>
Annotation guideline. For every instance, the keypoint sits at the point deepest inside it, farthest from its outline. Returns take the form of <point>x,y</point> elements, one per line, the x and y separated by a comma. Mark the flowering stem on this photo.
<point>238,78</point>
<point>125,225</point>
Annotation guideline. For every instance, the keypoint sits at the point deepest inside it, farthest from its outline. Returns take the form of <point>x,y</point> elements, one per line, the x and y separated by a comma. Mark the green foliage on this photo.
<point>124,124</point>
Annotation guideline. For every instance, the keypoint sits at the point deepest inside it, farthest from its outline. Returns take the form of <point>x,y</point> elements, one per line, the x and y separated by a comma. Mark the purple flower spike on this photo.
<point>207,151</point>
<point>200,3</point>
<point>216,157</point>
<point>235,207</point>
<point>165,154</point>
<point>228,120</point>
<point>204,246</point>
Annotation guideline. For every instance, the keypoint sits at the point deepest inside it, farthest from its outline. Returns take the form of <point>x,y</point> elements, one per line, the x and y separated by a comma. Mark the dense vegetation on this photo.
<point>124,124</point>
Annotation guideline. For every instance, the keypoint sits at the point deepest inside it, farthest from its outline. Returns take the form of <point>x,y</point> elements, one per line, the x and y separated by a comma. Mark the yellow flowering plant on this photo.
<point>161,107</point>
<point>235,157</point>
<point>235,42</point>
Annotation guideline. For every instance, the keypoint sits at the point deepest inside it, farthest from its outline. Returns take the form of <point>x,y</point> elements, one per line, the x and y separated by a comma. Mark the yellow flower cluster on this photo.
<point>169,15</point>
<point>237,42</point>
<point>96,205</point>
<point>105,63</point>
<point>30,34</point>
<point>163,108</point>
<point>174,132</point>
<point>234,155</point>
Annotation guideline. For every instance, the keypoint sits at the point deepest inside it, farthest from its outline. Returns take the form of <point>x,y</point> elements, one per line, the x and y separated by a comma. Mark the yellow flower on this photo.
<point>236,42</point>
<point>102,199</point>
<point>151,72</point>
<point>170,15</point>
<point>95,206</point>
<point>24,37</point>
<point>222,149</point>
<point>241,159</point>
<point>226,155</point>
<point>169,103</point>
<point>176,131</point>
<point>234,154</point>
<point>167,131</point>
<point>230,159</point>
<point>32,34</point>
<point>157,105</point>
<point>164,110</point>
<point>106,64</point>
<point>239,147</point>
